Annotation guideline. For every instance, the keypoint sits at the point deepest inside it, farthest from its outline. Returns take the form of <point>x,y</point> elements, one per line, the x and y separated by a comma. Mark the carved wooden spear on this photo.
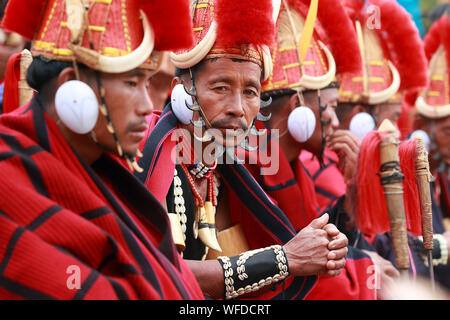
<point>423,177</point>
<point>391,179</point>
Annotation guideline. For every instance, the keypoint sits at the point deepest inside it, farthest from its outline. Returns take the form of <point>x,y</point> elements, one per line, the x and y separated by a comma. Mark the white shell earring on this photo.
<point>178,99</point>
<point>301,123</point>
<point>77,106</point>
<point>361,124</point>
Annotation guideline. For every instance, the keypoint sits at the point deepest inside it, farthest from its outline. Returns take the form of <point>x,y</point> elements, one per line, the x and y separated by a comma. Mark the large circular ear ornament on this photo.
<point>301,123</point>
<point>178,98</point>
<point>361,124</point>
<point>77,106</point>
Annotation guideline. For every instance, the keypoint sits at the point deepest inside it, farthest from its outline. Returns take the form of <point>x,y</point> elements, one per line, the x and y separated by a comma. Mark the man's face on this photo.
<point>391,111</point>
<point>228,91</point>
<point>328,99</point>
<point>128,103</point>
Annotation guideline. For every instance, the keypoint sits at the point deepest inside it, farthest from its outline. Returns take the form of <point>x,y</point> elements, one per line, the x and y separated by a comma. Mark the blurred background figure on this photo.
<point>420,289</point>
<point>159,88</point>
<point>10,43</point>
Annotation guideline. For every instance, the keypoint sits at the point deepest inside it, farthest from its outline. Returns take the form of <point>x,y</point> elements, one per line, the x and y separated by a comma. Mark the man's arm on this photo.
<point>317,249</point>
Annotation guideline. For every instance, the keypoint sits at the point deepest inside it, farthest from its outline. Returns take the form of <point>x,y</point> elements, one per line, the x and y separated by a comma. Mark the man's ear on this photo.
<point>357,109</point>
<point>175,81</point>
<point>65,75</point>
<point>294,102</point>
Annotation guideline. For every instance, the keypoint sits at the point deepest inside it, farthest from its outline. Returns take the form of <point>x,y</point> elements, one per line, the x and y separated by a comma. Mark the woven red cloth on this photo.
<point>58,214</point>
<point>292,190</point>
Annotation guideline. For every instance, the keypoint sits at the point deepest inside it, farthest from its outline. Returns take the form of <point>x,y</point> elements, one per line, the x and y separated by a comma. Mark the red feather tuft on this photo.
<point>371,211</point>
<point>11,89</point>
<point>340,33</point>
<point>407,156</point>
<point>244,22</point>
<point>171,21</point>
<point>23,17</point>
<point>403,38</point>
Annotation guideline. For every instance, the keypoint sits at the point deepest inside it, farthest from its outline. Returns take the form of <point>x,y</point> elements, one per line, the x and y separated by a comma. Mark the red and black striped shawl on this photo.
<point>57,213</point>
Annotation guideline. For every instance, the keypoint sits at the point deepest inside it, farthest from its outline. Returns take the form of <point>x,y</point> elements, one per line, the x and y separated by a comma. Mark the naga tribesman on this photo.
<point>433,117</point>
<point>75,223</point>
<point>304,95</point>
<point>215,100</point>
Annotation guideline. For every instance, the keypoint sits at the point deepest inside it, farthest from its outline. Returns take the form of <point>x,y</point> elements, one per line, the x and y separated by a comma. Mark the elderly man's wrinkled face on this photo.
<point>228,91</point>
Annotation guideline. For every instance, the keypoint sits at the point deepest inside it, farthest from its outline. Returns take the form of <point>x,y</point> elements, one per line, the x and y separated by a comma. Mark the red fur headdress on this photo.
<point>230,28</point>
<point>244,22</point>
<point>338,30</point>
<point>434,102</point>
<point>114,28</point>
<point>395,50</point>
<point>332,27</point>
<point>170,20</point>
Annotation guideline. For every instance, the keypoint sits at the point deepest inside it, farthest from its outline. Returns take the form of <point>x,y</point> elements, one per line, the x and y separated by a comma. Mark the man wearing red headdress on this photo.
<point>75,224</point>
<point>433,116</point>
<point>304,97</point>
<point>215,100</point>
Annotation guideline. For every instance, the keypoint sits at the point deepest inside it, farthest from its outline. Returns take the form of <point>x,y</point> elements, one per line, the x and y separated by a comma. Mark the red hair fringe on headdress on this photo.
<point>404,43</point>
<point>170,33</point>
<point>24,18</point>
<point>439,33</point>
<point>11,89</point>
<point>340,33</point>
<point>243,22</point>
<point>407,154</point>
<point>371,210</point>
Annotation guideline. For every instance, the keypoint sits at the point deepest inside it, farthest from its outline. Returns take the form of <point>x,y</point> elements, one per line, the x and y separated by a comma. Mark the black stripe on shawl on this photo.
<point>256,200</point>
<point>86,285</point>
<point>142,200</point>
<point>325,193</point>
<point>96,213</point>
<point>316,175</point>
<point>40,124</point>
<point>11,285</point>
<point>32,169</point>
<point>279,186</point>
<point>43,217</point>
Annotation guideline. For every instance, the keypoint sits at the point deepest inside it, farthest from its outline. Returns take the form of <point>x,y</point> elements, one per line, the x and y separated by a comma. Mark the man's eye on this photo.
<point>250,92</point>
<point>131,83</point>
<point>221,88</point>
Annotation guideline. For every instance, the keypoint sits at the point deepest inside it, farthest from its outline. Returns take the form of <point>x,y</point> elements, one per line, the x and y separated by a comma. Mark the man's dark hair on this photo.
<point>42,70</point>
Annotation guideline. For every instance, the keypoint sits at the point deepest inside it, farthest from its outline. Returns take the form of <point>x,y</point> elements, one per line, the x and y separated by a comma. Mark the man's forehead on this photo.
<point>223,62</point>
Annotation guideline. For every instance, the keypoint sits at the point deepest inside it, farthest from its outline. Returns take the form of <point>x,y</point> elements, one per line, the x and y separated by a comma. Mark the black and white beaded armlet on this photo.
<point>252,270</point>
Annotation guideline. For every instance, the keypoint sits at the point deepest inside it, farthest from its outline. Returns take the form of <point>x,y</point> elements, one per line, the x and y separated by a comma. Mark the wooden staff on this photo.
<point>423,178</point>
<point>391,179</point>
<point>25,92</point>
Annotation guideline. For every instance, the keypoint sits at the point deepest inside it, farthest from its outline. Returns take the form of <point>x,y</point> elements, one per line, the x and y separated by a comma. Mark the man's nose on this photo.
<point>235,106</point>
<point>145,105</point>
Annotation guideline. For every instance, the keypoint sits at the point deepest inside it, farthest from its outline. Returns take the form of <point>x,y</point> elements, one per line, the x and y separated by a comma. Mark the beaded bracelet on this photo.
<point>440,250</point>
<point>252,270</point>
